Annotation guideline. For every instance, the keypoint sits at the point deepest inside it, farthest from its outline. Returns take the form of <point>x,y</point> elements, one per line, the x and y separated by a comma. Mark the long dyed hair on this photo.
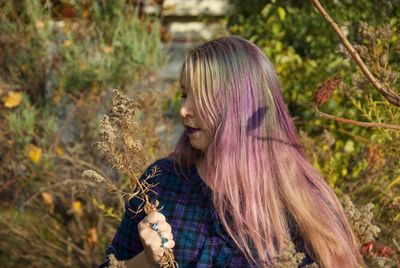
<point>256,166</point>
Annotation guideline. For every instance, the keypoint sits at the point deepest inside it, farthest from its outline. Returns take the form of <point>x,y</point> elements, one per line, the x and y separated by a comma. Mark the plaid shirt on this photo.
<point>200,239</point>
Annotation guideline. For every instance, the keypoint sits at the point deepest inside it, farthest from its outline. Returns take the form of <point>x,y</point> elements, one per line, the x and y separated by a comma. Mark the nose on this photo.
<point>186,109</point>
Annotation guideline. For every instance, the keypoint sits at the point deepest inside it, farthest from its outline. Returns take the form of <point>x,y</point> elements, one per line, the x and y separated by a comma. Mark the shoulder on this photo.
<point>167,174</point>
<point>165,167</point>
<point>166,164</point>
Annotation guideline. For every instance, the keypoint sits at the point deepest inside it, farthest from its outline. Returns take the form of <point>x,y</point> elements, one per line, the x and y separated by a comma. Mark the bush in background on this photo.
<point>59,62</point>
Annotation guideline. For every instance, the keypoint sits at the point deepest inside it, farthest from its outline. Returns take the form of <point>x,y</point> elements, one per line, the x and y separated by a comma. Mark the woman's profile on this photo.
<point>238,184</point>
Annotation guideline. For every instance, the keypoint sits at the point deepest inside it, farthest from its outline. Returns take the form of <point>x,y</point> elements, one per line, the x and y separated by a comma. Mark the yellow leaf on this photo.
<point>67,43</point>
<point>394,183</point>
<point>77,208</point>
<point>47,198</point>
<point>35,154</point>
<point>59,151</point>
<point>397,218</point>
<point>13,99</point>
<point>108,49</point>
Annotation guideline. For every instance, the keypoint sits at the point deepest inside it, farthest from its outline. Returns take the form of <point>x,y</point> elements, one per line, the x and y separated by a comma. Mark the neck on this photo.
<point>200,164</point>
<point>201,168</point>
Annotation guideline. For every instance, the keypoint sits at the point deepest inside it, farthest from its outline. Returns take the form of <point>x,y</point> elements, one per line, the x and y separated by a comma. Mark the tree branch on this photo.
<point>357,123</point>
<point>388,94</point>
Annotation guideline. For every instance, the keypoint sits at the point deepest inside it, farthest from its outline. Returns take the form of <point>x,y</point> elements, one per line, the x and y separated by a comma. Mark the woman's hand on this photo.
<point>151,239</point>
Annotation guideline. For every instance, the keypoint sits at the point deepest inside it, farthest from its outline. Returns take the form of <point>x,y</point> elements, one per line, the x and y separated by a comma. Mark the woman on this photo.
<point>238,183</point>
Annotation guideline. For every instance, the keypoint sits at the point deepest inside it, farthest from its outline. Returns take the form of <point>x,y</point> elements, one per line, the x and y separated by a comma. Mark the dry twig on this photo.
<point>322,95</point>
<point>118,133</point>
<point>388,93</point>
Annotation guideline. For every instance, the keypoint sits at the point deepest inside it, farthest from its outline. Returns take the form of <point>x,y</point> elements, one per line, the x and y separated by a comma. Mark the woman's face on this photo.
<point>192,123</point>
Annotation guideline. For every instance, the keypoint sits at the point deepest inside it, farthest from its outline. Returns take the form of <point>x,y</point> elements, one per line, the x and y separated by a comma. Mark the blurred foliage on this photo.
<point>52,48</point>
<point>59,61</point>
<point>361,162</point>
<point>303,46</point>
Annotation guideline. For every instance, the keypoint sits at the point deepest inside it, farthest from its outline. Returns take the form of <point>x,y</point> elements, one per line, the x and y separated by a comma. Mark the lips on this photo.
<point>191,129</point>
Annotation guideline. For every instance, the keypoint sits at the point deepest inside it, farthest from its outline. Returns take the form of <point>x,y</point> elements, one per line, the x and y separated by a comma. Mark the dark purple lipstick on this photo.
<point>191,130</point>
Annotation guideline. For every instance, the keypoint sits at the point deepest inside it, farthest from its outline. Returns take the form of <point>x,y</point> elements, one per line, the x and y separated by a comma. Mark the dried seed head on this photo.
<point>289,257</point>
<point>359,83</point>
<point>384,33</point>
<point>362,50</point>
<point>328,138</point>
<point>132,144</point>
<point>91,174</point>
<point>122,108</point>
<point>104,148</point>
<point>361,221</point>
<point>114,263</point>
<point>381,262</point>
<point>325,90</point>
<point>107,131</point>
<point>365,30</point>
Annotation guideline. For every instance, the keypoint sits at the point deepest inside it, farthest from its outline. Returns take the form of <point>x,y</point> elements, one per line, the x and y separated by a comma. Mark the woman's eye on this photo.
<point>183,96</point>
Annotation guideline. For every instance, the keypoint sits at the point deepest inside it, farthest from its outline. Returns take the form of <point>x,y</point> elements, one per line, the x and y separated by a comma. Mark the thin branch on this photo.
<point>357,123</point>
<point>389,94</point>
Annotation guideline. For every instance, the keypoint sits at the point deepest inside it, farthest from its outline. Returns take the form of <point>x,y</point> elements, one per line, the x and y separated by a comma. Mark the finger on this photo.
<point>148,237</point>
<point>159,251</point>
<point>143,224</point>
<point>164,226</point>
<point>155,217</point>
<point>171,244</point>
<point>167,235</point>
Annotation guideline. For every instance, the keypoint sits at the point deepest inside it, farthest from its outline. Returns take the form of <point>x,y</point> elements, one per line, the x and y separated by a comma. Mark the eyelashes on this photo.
<point>183,96</point>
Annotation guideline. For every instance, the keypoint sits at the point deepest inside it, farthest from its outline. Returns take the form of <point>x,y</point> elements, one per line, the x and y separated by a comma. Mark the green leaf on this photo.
<point>266,10</point>
<point>281,13</point>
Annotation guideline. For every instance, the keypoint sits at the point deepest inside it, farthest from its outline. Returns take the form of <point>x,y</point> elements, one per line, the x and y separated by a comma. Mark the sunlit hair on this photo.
<point>255,163</point>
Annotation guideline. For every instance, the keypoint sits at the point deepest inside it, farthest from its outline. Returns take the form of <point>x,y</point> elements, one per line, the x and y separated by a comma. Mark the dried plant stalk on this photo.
<point>118,132</point>
<point>387,93</point>
<point>325,90</point>
<point>322,95</point>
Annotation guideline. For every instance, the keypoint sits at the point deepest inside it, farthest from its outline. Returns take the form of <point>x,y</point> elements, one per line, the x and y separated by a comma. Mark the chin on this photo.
<point>197,147</point>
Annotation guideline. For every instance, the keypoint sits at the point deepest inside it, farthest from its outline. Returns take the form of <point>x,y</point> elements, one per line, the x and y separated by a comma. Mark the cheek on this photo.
<point>205,140</point>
